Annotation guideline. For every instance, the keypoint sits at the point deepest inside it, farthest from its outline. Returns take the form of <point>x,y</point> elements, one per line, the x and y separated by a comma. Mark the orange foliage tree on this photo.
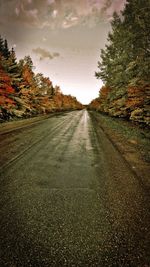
<point>6,90</point>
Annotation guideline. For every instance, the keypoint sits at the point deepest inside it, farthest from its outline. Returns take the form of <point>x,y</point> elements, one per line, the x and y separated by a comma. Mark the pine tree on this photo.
<point>13,70</point>
<point>136,23</point>
<point>6,52</point>
<point>113,58</point>
<point>1,46</point>
<point>126,58</point>
<point>124,65</point>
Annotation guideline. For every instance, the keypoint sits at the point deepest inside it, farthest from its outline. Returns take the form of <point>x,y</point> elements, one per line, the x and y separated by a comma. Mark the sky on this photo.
<point>63,38</point>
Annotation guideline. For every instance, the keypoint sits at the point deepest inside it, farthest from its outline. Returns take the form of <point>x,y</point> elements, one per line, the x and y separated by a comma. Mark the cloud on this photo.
<point>49,2</point>
<point>112,6</point>
<point>56,14</point>
<point>44,39</point>
<point>17,11</point>
<point>45,54</point>
<point>69,22</point>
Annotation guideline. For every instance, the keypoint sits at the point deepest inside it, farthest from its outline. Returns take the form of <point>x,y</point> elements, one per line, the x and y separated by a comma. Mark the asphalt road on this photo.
<point>68,198</point>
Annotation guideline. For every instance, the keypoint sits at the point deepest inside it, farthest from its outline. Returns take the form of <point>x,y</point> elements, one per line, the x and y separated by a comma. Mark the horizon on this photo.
<point>63,39</point>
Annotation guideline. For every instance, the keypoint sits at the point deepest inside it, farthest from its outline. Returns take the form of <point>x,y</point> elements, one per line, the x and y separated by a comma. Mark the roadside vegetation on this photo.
<point>132,140</point>
<point>124,66</point>
<point>26,94</point>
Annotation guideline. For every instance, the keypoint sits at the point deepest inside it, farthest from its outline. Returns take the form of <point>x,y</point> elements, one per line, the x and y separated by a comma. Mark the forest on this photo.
<point>124,68</point>
<point>25,94</point>
<point>124,65</point>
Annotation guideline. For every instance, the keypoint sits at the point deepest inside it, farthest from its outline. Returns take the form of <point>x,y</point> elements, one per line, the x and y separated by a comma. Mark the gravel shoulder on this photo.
<point>132,142</point>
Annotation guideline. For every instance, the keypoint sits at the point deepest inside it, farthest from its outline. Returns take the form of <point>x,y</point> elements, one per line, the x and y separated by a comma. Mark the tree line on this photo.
<point>24,93</point>
<point>124,65</point>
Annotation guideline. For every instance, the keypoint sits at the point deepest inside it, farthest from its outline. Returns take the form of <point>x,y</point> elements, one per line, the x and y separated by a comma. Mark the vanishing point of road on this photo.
<point>68,198</point>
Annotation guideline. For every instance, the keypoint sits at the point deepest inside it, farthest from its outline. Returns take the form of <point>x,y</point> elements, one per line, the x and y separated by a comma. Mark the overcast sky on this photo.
<point>63,37</point>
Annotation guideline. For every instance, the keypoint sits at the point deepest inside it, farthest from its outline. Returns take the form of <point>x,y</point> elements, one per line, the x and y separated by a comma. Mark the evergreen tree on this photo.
<point>13,70</point>
<point>124,65</point>
<point>6,52</point>
<point>1,46</point>
<point>126,58</point>
<point>28,62</point>
<point>114,57</point>
<point>136,23</point>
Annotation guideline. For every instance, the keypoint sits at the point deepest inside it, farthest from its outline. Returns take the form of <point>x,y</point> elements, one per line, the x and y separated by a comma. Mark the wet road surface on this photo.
<point>67,198</point>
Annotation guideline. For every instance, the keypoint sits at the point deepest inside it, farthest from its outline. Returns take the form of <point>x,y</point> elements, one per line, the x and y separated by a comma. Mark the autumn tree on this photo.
<point>6,94</point>
<point>44,85</point>
<point>24,93</point>
<point>124,64</point>
<point>6,88</point>
<point>26,68</point>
